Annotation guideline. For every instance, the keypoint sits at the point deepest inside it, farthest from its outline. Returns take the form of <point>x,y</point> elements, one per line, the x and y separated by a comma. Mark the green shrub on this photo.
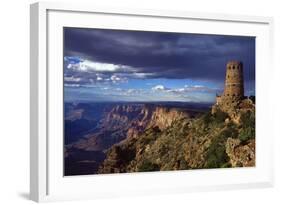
<point>230,131</point>
<point>212,161</point>
<point>216,155</point>
<point>247,134</point>
<point>248,119</point>
<point>147,166</point>
<point>219,116</point>
<point>247,131</point>
<point>207,118</point>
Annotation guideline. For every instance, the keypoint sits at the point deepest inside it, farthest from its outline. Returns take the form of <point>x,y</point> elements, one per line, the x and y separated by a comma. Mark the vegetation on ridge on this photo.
<point>187,143</point>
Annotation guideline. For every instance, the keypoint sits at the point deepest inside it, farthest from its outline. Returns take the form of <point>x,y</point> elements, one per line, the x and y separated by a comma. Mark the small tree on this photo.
<point>247,131</point>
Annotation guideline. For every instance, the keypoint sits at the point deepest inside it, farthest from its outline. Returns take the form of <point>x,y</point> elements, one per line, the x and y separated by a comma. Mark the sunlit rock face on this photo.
<point>241,155</point>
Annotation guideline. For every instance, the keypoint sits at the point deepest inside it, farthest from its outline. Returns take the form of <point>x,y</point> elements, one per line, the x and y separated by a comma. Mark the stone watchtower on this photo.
<point>234,83</point>
<point>233,89</point>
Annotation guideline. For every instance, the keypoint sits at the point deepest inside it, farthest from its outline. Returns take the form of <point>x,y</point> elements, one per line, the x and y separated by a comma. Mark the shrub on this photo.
<point>220,116</point>
<point>147,166</point>
<point>217,118</point>
<point>212,162</point>
<point>248,119</point>
<point>207,118</point>
<point>216,155</point>
<point>230,131</point>
<point>247,131</point>
<point>247,134</point>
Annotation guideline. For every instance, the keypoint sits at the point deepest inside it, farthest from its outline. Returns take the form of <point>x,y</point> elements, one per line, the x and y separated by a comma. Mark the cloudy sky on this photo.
<point>114,65</point>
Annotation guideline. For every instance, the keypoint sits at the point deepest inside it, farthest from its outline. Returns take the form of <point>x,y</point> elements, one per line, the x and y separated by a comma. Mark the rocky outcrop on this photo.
<point>124,115</point>
<point>151,149</point>
<point>241,155</point>
<point>164,117</point>
<point>175,141</point>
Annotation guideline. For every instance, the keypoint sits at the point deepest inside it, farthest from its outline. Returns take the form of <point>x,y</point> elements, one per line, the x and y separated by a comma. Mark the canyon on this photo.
<point>108,124</point>
<point>139,137</point>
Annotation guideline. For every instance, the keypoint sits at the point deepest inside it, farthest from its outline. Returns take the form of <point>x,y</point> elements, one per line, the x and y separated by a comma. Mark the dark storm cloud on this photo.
<point>162,55</point>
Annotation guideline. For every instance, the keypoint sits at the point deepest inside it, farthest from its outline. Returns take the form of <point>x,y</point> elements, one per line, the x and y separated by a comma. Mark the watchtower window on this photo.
<point>233,95</point>
<point>233,67</point>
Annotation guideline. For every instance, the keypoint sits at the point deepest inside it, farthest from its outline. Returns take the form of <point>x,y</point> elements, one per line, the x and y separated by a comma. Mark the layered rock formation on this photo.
<point>164,117</point>
<point>128,121</point>
<point>120,122</point>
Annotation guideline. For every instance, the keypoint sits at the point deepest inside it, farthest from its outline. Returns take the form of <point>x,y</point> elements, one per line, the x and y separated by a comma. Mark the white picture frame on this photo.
<point>47,182</point>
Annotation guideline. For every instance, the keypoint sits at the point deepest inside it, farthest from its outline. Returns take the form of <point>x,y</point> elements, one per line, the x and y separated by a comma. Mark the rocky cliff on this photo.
<point>129,121</point>
<point>120,122</point>
<point>173,140</point>
<point>163,117</point>
<point>241,155</point>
